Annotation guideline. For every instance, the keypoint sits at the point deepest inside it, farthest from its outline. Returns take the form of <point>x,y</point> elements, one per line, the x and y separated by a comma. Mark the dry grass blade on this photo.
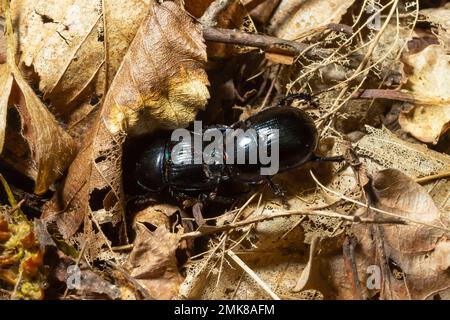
<point>253,275</point>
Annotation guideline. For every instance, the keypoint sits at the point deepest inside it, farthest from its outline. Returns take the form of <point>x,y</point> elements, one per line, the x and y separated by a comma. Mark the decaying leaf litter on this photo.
<point>82,79</point>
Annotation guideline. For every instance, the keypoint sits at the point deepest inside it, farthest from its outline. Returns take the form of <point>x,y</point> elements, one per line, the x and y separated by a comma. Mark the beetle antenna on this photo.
<point>296,96</point>
<point>327,159</point>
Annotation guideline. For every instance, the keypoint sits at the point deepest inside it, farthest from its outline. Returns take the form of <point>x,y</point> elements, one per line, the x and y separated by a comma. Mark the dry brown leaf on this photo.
<point>90,286</point>
<point>160,84</point>
<point>75,47</point>
<point>292,19</point>
<point>422,253</point>
<point>93,286</point>
<point>197,7</point>
<point>390,151</point>
<point>396,192</point>
<point>153,262</point>
<point>429,80</point>
<point>156,215</point>
<point>52,149</point>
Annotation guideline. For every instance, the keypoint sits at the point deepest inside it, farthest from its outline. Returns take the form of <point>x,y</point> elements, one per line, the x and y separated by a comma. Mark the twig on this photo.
<point>378,234</point>
<point>385,94</point>
<point>78,260</point>
<point>404,219</point>
<point>237,286</point>
<point>17,285</point>
<point>222,238</point>
<point>280,214</point>
<point>396,95</point>
<point>267,43</point>
<point>351,269</point>
<point>252,274</point>
<point>16,207</point>
<point>426,179</point>
<point>126,247</point>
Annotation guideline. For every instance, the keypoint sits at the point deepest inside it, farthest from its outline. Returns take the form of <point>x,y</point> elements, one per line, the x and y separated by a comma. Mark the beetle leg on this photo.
<point>279,192</point>
<point>224,200</point>
<point>296,96</point>
<point>140,201</point>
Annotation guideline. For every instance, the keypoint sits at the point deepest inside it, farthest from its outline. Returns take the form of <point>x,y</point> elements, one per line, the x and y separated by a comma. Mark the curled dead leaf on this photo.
<point>91,285</point>
<point>153,262</point>
<point>52,149</point>
<point>156,215</point>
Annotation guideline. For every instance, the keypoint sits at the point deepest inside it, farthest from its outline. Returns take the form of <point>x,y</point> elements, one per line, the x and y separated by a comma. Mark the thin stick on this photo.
<point>253,275</point>
<point>401,218</point>
<point>126,247</point>
<point>267,43</point>
<point>426,179</point>
<point>16,207</point>
<point>385,94</point>
<point>17,285</point>
<point>351,268</point>
<point>280,214</point>
<point>77,262</point>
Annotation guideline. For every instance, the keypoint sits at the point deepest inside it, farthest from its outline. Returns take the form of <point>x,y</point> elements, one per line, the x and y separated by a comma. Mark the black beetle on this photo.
<point>159,171</point>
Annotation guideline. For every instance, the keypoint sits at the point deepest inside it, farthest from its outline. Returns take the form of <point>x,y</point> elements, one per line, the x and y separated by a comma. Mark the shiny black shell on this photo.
<point>297,139</point>
<point>184,175</point>
<point>159,169</point>
<point>149,170</point>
